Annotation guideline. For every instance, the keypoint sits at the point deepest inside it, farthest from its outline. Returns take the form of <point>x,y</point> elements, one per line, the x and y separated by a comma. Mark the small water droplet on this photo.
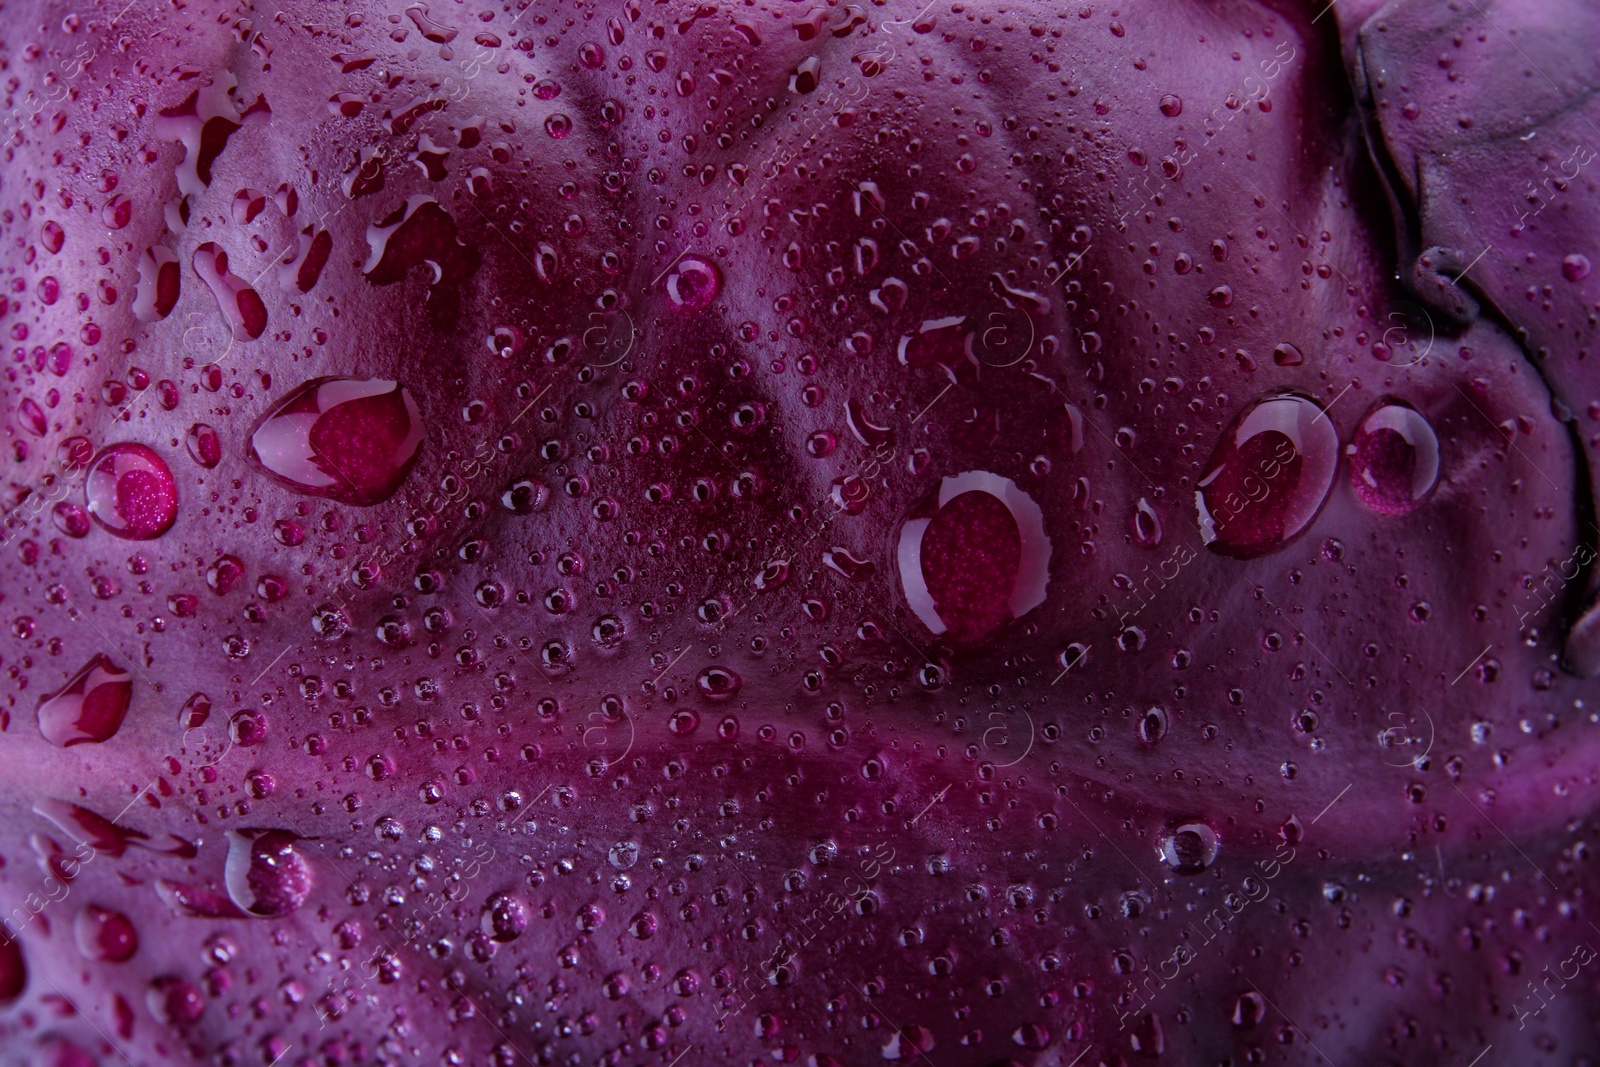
<point>70,519</point>
<point>1153,726</point>
<point>1287,355</point>
<point>1146,524</point>
<point>1249,1010</point>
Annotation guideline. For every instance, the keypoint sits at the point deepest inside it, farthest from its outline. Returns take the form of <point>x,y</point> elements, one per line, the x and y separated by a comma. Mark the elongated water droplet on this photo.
<point>346,439</point>
<point>239,303</point>
<point>1146,524</point>
<point>90,707</point>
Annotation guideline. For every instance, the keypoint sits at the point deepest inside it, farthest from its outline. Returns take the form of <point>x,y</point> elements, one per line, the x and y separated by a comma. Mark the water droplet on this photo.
<point>523,497</point>
<point>1153,726</point>
<point>1146,524</point>
<point>1249,1010</point>
<point>945,343</point>
<point>1269,476</point>
<point>266,875</point>
<point>1171,106</point>
<point>89,708</point>
<point>131,492</point>
<point>346,439</point>
<point>13,970</point>
<point>205,447</point>
<point>222,575</point>
<point>909,1042</point>
<point>1190,848</point>
<point>843,561</point>
<point>247,728</point>
<point>418,233</point>
<point>1575,268</point>
<point>32,416</point>
<point>117,212</point>
<point>504,917</point>
<point>718,683</point>
<point>174,1001</point>
<point>240,304</point>
<point>1394,459</point>
<point>70,519</point>
<point>104,935</point>
<point>978,561</point>
<point>195,711</point>
<point>692,284</point>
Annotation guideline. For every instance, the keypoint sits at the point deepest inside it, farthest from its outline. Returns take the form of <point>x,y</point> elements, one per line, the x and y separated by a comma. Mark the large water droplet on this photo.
<point>89,708</point>
<point>419,232</point>
<point>945,343</point>
<point>692,284</point>
<point>174,1000</point>
<point>131,492</point>
<point>1190,848</point>
<point>504,917</point>
<point>13,970</point>
<point>195,902</point>
<point>1269,476</point>
<point>718,683</point>
<point>106,837</point>
<point>266,875</point>
<point>978,561</point>
<point>1394,459</point>
<point>346,439</point>
<point>32,416</point>
<point>104,935</point>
